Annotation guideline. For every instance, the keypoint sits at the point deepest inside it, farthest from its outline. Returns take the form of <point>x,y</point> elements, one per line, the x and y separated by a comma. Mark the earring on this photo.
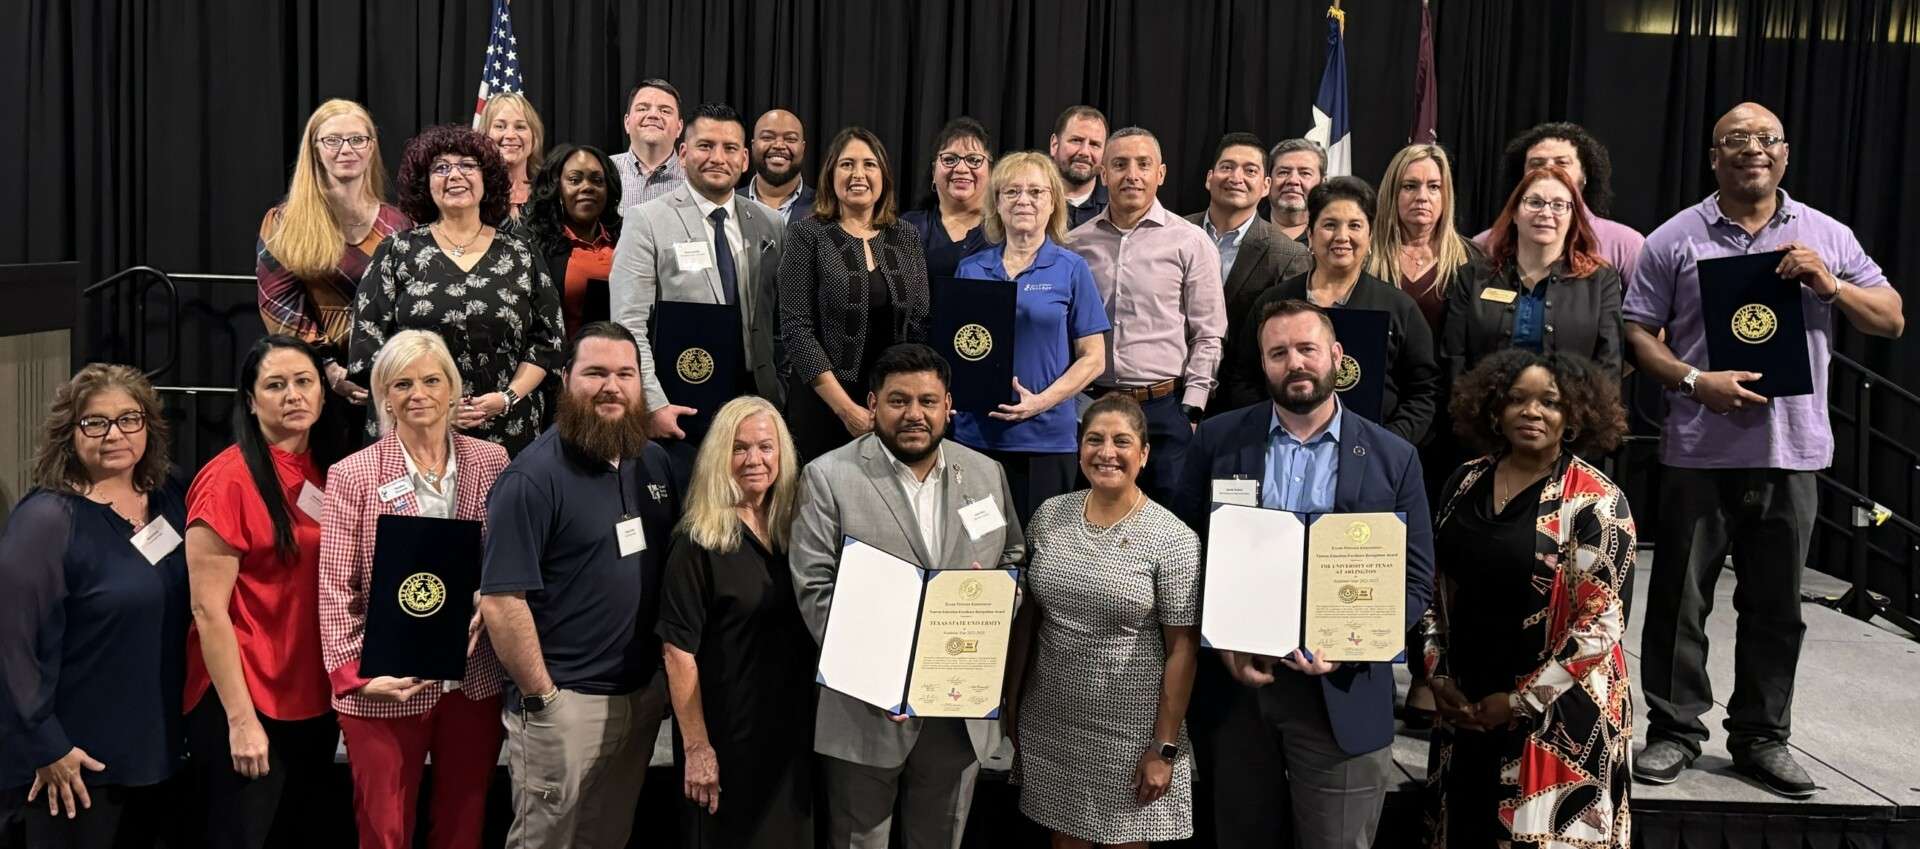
<point>1569,436</point>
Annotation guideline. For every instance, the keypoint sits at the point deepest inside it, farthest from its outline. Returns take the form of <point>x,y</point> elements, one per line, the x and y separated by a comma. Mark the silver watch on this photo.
<point>1689,383</point>
<point>511,396</point>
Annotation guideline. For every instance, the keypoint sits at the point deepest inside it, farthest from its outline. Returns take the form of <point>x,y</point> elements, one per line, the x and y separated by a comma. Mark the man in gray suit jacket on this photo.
<point>900,489</point>
<point>1253,253</point>
<point>701,243</point>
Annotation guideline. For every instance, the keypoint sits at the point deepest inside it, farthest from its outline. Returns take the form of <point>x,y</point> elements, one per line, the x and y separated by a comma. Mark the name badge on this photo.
<point>633,537</point>
<point>1241,491</point>
<point>157,540</point>
<point>311,502</point>
<point>982,517</point>
<point>1498,296</point>
<point>693,256</point>
<point>396,488</point>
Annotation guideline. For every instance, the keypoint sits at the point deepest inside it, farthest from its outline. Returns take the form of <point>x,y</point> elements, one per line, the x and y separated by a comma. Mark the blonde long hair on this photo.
<point>710,520</point>
<point>1004,172</point>
<point>305,237</point>
<point>536,151</point>
<point>1450,251</point>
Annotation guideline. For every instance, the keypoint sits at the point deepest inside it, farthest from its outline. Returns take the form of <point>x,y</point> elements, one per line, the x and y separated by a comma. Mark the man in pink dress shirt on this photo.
<point>1159,277</point>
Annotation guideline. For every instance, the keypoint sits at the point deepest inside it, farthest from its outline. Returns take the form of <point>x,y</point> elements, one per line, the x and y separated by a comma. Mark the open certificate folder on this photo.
<point>922,642</point>
<point>1332,582</point>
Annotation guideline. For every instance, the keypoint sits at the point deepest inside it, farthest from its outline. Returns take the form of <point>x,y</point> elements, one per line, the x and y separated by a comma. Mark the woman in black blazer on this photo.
<point>1338,213</point>
<point>1550,292</point>
<point>853,281</point>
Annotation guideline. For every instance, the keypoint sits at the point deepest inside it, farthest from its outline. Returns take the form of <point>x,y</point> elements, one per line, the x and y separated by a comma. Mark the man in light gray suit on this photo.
<point>901,489</point>
<point>701,243</point>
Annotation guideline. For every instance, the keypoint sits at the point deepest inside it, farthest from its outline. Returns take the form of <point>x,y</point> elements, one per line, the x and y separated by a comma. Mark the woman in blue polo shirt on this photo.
<point>1059,322</point>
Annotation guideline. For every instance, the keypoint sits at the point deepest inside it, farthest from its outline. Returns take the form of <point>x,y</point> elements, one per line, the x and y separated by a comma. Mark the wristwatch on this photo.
<point>1169,752</point>
<point>1687,384</point>
<point>511,396</point>
<point>537,702</point>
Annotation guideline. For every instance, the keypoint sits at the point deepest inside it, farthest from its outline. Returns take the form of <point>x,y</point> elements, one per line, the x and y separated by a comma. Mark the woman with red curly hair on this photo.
<point>1549,290</point>
<point>457,274</point>
<point>1532,548</point>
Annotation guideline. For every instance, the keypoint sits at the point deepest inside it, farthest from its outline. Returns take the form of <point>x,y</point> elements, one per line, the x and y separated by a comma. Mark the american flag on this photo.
<point>500,67</point>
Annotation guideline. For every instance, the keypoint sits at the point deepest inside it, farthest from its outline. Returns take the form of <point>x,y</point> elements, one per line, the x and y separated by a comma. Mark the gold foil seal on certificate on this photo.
<point>1356,587</point>
<point>960,655</point>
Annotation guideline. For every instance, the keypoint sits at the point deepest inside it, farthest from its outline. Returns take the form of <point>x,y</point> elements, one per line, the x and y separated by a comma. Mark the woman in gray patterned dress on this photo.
<point>456,275</point>
<point>1112,606</point>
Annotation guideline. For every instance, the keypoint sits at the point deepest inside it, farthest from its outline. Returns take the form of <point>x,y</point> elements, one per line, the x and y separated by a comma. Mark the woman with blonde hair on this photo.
<point>1059,332</point>
<point>93,643</point>
<point>1415,245</point>
<point>315,244</point>
<point>739,657</point>
<point>393,724</point>
<point>512,124</point>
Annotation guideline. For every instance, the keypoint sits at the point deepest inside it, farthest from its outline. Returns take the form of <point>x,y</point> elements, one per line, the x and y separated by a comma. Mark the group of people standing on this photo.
<point>644,558</point>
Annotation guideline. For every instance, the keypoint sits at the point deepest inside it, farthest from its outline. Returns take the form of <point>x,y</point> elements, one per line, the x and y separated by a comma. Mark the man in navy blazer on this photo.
<point>1315,731</point>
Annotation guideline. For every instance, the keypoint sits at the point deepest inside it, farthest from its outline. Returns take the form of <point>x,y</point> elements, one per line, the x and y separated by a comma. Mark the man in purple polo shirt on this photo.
<point>1738,468</point>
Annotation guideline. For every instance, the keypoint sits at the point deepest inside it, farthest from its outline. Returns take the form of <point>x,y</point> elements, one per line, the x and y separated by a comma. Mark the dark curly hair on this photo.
<point>416,172</point>
<point>546,219</point>
<point>1589,400</point>
<point>1594,161</point>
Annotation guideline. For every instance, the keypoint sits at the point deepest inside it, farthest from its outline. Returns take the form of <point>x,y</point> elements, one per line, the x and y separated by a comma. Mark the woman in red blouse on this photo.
<point>259,724</point>
<point>419,467</point>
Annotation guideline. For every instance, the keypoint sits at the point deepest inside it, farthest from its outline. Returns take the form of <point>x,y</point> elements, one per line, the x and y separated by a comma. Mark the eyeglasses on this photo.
<point>1738,141</point>
<point>442,169</point>
<point>1535,203</point>
<point>128,423</point>
<point>355,142</point>
<point>1013,194</point>
<point>953,160</point>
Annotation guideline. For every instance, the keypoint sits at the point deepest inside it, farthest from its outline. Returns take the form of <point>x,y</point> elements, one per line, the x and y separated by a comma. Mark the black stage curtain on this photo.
<point>159,133</point>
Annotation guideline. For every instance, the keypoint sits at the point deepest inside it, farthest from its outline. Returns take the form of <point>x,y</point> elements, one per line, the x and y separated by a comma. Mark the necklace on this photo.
<point>1086,525</point>
<point>1500,503</point>
<point>138,499</point>
<point>457,250</point>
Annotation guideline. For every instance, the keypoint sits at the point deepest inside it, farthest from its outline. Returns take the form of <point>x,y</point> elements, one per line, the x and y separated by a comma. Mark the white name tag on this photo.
<point>633,537</point>
<point>396,488</point>
<point>982,517</point>
<point>157,540</point>
<point>1243,492</point>
<point>311,501</point>
<point>693,256</point>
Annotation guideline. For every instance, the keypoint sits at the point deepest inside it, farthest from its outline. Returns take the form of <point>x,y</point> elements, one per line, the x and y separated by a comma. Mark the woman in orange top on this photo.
<point>573,221</point>
<point>259,723</point>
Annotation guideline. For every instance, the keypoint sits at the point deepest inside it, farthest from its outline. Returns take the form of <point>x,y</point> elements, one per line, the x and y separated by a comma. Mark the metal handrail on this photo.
<point>1860,601</point>
<point>140,311</point>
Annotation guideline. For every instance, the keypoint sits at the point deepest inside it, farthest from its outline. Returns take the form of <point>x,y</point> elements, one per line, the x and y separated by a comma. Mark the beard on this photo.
<point>766,172</point>
<point>1298,401</point>
<point>891,440</point>
<point>1078,172</point>
<point>1287,204</point>
<point>585,429</point>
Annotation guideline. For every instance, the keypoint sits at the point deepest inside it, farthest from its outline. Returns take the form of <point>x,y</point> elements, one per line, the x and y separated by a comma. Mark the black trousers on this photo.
<point>244,813</point>
<point>816,429</point>
<point>1034,478</point>
<point>1764,519</point>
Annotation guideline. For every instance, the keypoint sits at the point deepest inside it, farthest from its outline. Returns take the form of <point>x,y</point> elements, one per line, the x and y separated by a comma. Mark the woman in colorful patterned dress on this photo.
<point>1532,547</point>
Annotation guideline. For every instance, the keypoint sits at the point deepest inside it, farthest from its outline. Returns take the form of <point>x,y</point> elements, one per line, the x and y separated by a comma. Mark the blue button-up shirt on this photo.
<point>1228,242</point>
<point>1530,317</point>
<point>1300,475</point>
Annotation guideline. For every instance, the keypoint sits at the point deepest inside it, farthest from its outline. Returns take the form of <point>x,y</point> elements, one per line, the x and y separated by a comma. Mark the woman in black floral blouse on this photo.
<point>457,275</point>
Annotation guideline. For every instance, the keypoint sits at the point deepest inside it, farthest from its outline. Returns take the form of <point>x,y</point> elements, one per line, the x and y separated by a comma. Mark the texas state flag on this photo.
<point>1330,126</point>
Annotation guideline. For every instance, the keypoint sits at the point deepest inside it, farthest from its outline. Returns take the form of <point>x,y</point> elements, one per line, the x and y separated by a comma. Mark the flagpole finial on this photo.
<point>1335,12</point>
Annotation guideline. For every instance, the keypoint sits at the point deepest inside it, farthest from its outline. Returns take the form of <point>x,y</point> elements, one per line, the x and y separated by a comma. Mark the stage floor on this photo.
<point>1856,718</point>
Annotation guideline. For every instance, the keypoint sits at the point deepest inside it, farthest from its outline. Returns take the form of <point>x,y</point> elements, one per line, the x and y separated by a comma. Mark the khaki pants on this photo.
<point>577,767</point>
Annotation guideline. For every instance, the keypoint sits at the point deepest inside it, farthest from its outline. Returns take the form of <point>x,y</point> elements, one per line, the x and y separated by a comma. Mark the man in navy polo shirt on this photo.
<point>577,531</point>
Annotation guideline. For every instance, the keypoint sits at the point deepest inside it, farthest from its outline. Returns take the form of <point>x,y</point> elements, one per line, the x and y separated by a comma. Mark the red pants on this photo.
<point>388,755</point>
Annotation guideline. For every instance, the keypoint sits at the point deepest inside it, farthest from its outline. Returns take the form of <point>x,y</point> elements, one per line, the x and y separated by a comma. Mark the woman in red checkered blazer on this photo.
<point>419,467</point>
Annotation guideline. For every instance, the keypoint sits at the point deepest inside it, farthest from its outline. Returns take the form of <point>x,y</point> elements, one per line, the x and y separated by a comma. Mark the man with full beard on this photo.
<point>1300,732</point>
<point>779,147</point>
<point>577,530</point>
<point>1078,147</point>
<point>903,490</point>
